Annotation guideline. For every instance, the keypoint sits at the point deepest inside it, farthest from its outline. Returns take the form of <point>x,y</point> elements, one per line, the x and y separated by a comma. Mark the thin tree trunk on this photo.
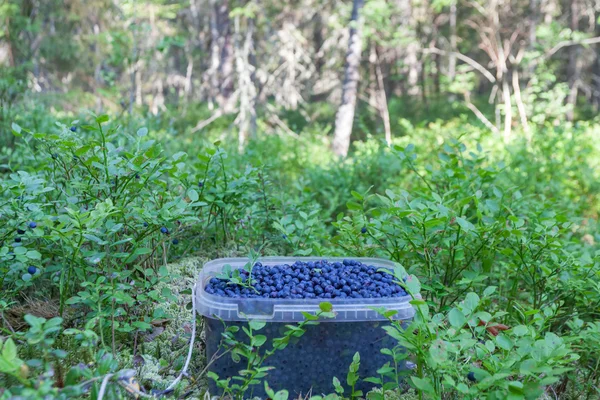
<point>222,77</point>
<point>507,109</point>
<point>318,43</point>
<point>453,40</point>
<point>596,72</point>
<point>533,21</point>
<point>520,105</point>
<point>574,69</point>
<point>436,76</point>
<point>534,6</point>
<point>382,105</point>
<point>345,114</point>
<point>9,47</point>
<point>133,89</point>
<point>214,54</point>
<point>246,88</point>
<point>412,60</point>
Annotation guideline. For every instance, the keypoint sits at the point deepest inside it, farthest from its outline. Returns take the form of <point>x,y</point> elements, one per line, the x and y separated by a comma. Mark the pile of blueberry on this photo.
<point>309,280</point>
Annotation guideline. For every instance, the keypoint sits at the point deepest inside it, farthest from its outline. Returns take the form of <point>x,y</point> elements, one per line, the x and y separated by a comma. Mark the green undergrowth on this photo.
<point>104,225</point>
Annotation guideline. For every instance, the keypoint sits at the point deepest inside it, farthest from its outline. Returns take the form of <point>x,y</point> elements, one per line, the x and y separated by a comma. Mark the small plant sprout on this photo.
<point>243,276</point>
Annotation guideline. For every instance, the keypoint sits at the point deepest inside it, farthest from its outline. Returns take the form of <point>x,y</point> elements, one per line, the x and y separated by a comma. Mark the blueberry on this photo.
<point>200,184</point>
<point>20,231</point>
<point>32,225</point>
<point>32,270</point>
<point>471,376</point>
<point>175,241</point>
<point>284,236</point>
<point>145,224</point>
<point>313,279</point>
<point>73,129</point>
<point>364,229</point>
<point>18,239</point>
<point>164,230</point>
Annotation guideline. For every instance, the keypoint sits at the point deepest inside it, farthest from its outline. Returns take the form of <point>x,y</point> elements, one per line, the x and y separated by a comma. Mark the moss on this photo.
<point>408,394</point>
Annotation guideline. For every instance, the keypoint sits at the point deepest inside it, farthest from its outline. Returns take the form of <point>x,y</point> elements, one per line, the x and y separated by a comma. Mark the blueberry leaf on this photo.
<point>456,318</point>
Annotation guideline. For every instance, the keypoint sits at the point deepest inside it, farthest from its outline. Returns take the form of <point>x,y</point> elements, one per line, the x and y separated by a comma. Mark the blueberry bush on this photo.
<point>495,247</point>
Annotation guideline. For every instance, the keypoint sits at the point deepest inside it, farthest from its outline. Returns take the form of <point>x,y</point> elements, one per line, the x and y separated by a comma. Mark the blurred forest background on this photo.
<point>262,66</point>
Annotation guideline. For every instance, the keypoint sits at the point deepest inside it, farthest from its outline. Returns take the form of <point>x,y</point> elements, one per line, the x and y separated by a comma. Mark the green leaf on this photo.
<point>82,150</point>
<point>423,384</point>
<point>456,318</point>
<point>34,255</point>
<point>471,302</point>
<point>504,342</point>
<point>102,118</point>
<point>259,340</point>
<point>464,224</point>
<point>325,306</point>
<point>256,325</point>
<point>281,395</point>
<point>142,132</point>
<point>520,330</point>
<point>193,195</point>
<point>516,387</point>
<point>353,206</point>
<point>9,350</point>
<point>141,325</point>
<point>16,129</point>
<point>357,195</point>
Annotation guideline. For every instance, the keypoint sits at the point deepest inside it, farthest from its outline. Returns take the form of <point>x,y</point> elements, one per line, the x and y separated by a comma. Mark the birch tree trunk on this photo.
<point>453,42</point>
<point>345,114</point>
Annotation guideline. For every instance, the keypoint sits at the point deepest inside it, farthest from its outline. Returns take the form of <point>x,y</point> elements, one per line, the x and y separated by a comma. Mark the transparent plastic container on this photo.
<point>309,363</point>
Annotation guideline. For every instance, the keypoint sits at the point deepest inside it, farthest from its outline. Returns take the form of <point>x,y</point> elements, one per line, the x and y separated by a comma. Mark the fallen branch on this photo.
<point>206,122</point>
<point>567,43</point>
<point>280,123</point>
<point>480,115</point>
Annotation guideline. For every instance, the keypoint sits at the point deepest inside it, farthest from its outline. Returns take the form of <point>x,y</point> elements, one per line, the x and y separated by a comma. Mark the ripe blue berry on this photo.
<point>200,184</point>
<point>32,270</point>
<point>164,230</point>
<point>145,224</point>
<point>32,225</point>
<point>20,231</point>
<point>73,129</point>
<point>17,240</point>
<point>471,376</point>
<point>364,229</point>
<point>312,279</point>
<point>175,241</point>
